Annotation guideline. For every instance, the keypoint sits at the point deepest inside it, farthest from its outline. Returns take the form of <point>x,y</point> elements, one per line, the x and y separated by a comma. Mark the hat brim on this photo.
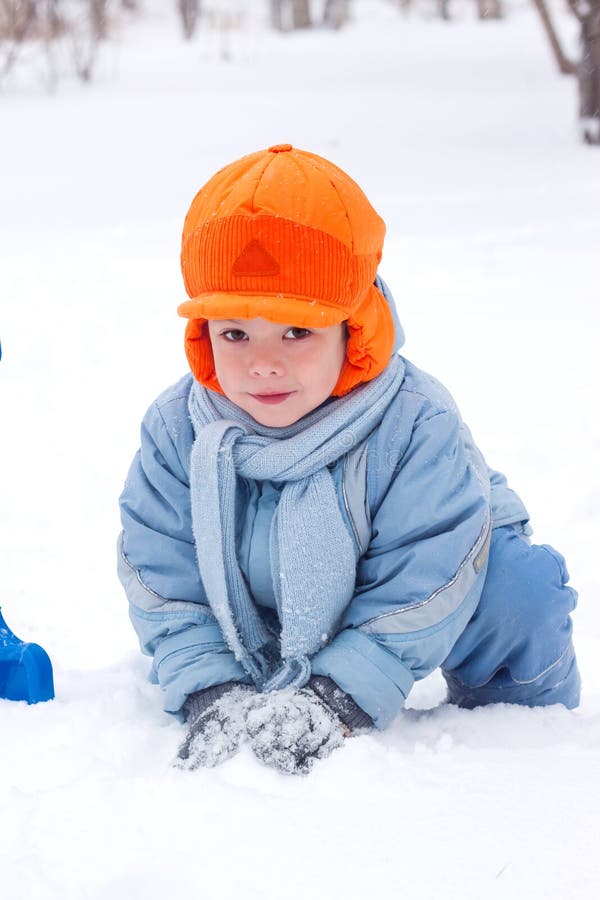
<point>302,313</point>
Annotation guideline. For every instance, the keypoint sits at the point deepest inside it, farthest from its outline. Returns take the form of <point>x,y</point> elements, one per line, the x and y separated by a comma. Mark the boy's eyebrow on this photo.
<point>242,324</point>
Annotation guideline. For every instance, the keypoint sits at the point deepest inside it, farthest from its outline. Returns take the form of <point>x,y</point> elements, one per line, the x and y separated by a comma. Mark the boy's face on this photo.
<point>277,373</point>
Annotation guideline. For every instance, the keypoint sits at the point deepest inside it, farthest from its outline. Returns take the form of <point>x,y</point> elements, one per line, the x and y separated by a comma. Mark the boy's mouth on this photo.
<point>272,398</point>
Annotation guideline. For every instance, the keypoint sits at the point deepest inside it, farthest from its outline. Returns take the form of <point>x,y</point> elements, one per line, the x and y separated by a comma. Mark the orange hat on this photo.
<point>285,235</point>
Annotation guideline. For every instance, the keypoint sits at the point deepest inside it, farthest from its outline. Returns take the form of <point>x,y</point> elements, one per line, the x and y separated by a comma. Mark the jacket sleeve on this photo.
<point>421,577</point>
<point>157,567</point>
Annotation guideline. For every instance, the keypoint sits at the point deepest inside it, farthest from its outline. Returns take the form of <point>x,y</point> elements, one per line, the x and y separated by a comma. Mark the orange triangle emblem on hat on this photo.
<point>255,260</point>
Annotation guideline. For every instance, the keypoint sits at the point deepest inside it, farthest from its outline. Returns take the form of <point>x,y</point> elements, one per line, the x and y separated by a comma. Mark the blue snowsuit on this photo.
<point>445,577</point>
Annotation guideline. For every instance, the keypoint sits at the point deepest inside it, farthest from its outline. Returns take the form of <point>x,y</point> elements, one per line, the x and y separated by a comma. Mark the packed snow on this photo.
<point>464,137</point>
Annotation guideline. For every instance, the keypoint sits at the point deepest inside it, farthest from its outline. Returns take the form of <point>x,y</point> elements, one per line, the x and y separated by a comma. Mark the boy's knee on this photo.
<point>559,684</point>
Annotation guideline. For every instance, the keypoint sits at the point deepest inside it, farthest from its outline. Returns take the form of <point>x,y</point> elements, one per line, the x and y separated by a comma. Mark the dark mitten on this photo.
<point>289,729</point>
<point>342,704</point>
<point>216,725</point>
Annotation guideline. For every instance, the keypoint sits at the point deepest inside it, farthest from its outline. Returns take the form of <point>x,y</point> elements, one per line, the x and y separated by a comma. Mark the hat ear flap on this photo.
<point>370,342</point>
<point>198,350</point>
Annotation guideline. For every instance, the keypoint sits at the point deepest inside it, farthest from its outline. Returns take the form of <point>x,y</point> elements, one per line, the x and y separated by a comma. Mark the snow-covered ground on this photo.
<point>464,138</point>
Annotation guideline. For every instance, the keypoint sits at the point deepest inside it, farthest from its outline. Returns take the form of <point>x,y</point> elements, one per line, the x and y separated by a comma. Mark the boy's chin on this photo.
<point>275,419</point>
<point>274,416</point>
<point>279,415</point>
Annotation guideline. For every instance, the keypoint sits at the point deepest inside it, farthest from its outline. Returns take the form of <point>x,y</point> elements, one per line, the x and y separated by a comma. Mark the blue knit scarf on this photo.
<point>312,554</point>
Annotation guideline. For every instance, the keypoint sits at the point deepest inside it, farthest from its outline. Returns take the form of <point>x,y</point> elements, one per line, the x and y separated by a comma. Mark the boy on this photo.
<point>308,527</point>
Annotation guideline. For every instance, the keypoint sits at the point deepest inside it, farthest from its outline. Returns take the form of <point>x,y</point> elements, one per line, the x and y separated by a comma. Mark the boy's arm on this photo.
<point>421,577</point>
<point>157,567</point>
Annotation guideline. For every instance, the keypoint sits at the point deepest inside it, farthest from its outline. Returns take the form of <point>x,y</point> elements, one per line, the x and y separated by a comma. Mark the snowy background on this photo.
<point>464,138</point>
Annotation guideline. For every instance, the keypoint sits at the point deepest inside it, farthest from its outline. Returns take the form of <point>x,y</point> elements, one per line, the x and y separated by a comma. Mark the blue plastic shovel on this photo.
<point>25,669</point>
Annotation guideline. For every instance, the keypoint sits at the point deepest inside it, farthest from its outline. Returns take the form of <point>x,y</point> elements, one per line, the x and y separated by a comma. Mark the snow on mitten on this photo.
<point>289,729</point>
<point>216,725</point>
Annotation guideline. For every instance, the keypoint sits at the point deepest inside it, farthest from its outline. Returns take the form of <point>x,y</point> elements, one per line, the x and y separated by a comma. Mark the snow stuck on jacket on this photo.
<point>465,139</point>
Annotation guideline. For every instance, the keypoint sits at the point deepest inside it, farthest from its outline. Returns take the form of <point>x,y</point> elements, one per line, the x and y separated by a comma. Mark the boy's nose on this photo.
<point>266,363</point>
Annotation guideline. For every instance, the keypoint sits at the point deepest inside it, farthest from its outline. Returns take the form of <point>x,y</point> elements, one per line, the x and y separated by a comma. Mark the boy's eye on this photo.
<point>234,335</point>
<point>297,334</point>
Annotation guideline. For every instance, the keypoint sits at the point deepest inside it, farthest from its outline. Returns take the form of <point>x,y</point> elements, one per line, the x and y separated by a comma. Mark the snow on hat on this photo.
<point>285,235</point>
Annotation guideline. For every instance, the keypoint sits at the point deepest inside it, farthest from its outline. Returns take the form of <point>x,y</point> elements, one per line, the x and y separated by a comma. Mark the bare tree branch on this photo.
<point>565,66</point>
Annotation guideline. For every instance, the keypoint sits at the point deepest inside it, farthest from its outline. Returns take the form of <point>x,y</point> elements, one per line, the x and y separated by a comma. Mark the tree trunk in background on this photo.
<point>99,19</point>
<point>301,14</point>
<point>18,24</point>
<point>277,14</point>
<point>490,9</point>
<point>336,13</point>
<point>188,10</point>
<point>18,20</point>
<point>287,15</point>
<point>588,71</point>
<point>444,10</point>
<point>54,22</point>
